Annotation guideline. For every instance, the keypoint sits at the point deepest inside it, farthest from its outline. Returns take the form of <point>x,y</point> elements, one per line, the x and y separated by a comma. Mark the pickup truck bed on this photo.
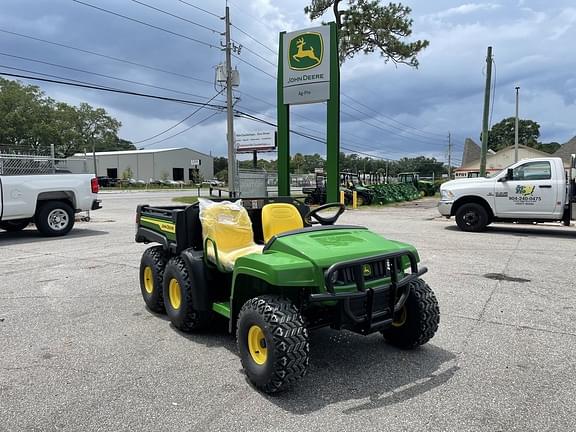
<point>50,201</point>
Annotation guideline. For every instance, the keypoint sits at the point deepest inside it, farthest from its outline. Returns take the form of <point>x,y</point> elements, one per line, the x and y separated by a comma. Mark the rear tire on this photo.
<point>54,218</point>
<point>472,217</point>
<point>152,267</point>
<point>14,225</point>
<point>418,321</point>
<point>178,296</point>
<point>273,343</point>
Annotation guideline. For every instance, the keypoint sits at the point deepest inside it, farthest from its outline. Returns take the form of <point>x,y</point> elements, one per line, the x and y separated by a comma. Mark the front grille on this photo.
<point>377,270</point>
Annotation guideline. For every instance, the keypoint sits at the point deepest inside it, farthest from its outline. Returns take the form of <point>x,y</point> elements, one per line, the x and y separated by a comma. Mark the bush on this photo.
<point>390,193</point>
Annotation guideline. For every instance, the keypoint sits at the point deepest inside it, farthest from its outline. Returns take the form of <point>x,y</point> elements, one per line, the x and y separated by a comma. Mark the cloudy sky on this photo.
<point>386,110</point>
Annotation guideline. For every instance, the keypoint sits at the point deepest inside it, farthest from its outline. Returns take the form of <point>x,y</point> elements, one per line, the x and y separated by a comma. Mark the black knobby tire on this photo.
<point>54,218</point>
<point>286,339</point>
<point>472,217</point>
<point>184,317</point>
<point>420,318</point>
<point>14,225</point>
<point>155,259</point>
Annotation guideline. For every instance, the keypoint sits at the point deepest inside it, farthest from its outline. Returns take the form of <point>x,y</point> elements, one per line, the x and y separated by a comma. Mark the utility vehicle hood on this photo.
<point>325,246</point>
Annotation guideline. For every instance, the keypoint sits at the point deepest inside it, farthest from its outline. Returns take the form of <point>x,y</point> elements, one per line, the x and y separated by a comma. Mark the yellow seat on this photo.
<point>278,218</point>
<point>227,233</point>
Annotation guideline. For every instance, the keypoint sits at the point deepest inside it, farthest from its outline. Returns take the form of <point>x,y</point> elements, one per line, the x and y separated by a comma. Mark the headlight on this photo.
<point>446,194</point>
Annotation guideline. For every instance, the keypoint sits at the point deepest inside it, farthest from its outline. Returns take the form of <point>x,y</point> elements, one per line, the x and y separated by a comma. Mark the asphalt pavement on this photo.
<point>80,352</point>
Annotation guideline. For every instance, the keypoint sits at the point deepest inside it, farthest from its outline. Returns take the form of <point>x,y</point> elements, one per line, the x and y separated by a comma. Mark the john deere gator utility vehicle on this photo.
<point>276,270</point>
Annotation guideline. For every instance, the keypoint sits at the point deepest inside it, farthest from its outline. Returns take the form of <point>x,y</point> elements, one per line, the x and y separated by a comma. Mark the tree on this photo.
<point>502,134</point>
<point>367,26</point>
<point>548,147</point>
<point>30,121</point>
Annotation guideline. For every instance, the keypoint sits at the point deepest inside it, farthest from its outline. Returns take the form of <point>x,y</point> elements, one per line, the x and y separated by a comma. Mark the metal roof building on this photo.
<point>180,164</point>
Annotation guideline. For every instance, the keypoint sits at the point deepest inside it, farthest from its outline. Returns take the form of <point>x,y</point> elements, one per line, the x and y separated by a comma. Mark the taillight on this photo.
<point>94,185</point>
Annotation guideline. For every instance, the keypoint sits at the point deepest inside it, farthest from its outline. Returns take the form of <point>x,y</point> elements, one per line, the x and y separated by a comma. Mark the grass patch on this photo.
<point>186,199</point>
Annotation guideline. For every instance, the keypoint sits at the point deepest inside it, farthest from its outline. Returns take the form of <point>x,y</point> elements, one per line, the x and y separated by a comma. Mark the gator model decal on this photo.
<point>168,227</point>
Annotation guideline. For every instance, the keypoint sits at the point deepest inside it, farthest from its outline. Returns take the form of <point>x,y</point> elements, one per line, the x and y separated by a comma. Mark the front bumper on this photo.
<point>445,208</point>
<point>371,309</point>
<point>96,204</point>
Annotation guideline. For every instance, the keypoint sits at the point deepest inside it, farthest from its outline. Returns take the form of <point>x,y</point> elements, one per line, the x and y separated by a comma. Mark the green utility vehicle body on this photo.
<point>338,276</point>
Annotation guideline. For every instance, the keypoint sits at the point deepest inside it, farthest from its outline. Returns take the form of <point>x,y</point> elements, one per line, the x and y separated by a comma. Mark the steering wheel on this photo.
<point>313,214</point>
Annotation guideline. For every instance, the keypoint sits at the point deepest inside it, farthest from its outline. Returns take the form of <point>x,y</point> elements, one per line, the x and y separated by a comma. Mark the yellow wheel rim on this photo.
<point>175,294</point>
<point>148,280</point>
<point>257,345</point>
<point>401,320</point>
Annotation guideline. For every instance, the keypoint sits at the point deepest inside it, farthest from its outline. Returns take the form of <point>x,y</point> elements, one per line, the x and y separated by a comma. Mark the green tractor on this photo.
<point>425,187</point>
<point>276,271</point>
<point>349,183</point>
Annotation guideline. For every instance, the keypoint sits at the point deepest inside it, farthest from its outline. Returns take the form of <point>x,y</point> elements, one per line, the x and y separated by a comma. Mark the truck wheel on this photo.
<point>54,218</point>
<point>273,343</point>
<point>418,320</point>
<point>178,302</point>
<point>472,217</point>
<point>14,225</point>
<point>152,267</point>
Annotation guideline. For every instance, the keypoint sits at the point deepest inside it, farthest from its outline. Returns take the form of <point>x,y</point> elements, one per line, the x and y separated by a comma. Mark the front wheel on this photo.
<point>54,218</point>
<point>417,322</point>
<point>273,343</point>
<point>14,225</point>
<point>472,217</point>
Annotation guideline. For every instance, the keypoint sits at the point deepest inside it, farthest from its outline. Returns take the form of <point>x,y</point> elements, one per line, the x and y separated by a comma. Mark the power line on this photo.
<point>416,137</point>
<point>182,131</point>
<point>200,9</point>
<point>106,56</point>
<point>254,53</point>
<point>45,74</point>
<point>175,16</point>
<point>146,24</point>
<point>243,11</point>
<point>255,40</point>
<point>253,66</point>
<point>181,121</point>
<point>388,130</point>
<point>98,74</point>
<point>91,86</point>
<point>391,118</point>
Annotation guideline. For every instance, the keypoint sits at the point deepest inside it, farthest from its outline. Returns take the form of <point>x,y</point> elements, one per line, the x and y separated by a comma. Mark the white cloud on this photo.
<point>465,9</point>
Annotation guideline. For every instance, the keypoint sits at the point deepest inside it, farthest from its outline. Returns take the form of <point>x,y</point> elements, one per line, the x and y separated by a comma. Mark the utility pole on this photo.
<point>486,113</point>
<point>449,156</point>
<point>230,110</point>
<point>516,129</point>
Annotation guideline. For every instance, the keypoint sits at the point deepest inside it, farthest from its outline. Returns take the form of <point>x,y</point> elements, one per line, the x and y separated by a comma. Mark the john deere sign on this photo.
<point>308,72</point>
<point>306,68</point>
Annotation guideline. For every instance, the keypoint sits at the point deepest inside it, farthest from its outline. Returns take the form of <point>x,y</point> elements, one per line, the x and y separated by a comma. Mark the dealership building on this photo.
<point>180,164</point>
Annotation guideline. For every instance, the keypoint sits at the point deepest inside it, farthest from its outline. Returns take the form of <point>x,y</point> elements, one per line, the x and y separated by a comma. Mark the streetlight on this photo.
<point>516,129</point>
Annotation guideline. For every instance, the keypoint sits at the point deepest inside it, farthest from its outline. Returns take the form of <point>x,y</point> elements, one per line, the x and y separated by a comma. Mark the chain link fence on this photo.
<point>36,164</point>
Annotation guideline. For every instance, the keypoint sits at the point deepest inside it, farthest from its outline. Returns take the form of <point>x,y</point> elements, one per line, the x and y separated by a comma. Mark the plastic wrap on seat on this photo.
<point>227,225</point>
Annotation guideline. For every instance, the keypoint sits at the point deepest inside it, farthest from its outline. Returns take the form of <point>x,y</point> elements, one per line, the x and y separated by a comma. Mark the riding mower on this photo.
<point>275,270</point>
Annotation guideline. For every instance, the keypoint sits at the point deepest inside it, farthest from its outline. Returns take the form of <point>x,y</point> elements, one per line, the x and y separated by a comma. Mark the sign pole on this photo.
<point>283,120</point>
<point>333,122</point>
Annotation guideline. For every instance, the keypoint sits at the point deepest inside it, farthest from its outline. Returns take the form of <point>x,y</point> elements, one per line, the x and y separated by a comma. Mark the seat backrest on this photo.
<point>278,218</point>
<point>227,224</point>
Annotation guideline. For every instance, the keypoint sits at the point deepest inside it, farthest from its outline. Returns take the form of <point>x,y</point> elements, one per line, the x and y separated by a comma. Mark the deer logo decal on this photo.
<point>305,51</point>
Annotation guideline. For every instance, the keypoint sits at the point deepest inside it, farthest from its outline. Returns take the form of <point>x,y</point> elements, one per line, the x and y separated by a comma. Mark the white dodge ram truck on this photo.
<point>50,201</point>
<point>531,190</point>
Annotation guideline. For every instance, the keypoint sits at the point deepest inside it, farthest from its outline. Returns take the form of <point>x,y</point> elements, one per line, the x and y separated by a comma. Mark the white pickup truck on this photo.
<point>50,201</point>
<point>531,190</point>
